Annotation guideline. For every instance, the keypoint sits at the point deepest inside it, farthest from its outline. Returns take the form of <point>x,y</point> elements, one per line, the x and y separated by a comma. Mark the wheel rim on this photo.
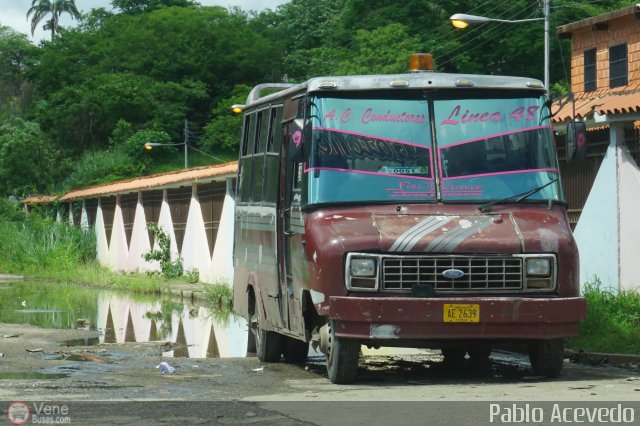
<point>330,355</point>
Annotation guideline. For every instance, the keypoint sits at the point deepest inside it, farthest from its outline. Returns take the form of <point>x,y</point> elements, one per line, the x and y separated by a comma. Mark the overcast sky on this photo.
<point>13,13</point>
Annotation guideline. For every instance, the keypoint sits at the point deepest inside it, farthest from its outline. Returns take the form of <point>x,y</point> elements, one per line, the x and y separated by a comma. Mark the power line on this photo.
<point>463,34</point>
<point>484,34</point>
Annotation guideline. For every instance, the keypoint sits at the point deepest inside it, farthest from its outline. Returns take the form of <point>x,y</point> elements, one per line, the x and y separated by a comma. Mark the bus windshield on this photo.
<point>381,149</point>
<point>490,148</point>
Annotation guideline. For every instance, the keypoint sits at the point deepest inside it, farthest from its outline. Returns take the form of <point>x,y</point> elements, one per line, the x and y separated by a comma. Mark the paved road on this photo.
<point>415,387</point>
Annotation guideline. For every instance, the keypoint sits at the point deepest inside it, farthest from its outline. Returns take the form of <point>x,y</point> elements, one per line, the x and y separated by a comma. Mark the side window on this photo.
<point>272,172</point>
<point>618,70</point>
<point>246,171</point>
<point>246,160</point>
<point>590,83</point>
<point>263,130</point>
<point>259,144</point>
<point>245,135</point>
<point>275,130</point>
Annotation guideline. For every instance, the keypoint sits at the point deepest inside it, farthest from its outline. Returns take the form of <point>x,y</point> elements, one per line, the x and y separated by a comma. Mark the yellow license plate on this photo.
<point>454,312</point>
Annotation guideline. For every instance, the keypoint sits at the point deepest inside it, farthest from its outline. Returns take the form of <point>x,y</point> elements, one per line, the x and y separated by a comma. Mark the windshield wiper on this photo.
<point>515,198</point>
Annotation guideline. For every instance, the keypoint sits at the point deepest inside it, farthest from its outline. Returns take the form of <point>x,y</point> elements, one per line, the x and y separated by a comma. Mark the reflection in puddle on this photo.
<point>194,330</point>
<point>190,331</point>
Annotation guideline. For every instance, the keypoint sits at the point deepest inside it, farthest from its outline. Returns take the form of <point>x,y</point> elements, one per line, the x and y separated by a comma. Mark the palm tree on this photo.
<point>40,8</point>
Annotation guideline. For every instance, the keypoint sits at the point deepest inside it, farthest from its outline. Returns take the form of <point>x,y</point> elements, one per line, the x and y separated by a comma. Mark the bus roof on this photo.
<point>420,80</point>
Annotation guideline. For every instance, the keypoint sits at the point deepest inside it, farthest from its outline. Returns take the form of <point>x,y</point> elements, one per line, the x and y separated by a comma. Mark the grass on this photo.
<point>92,274</point>
<point>38,244</point>
<point>612,324</point>
<point>219,298</point>
<point>40,247</point>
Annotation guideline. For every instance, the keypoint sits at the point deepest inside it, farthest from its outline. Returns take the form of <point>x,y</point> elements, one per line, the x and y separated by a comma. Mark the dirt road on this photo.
<point>35,366</point>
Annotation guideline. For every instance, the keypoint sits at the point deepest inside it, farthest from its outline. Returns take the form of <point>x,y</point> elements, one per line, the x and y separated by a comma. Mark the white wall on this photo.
<point>122,257</point>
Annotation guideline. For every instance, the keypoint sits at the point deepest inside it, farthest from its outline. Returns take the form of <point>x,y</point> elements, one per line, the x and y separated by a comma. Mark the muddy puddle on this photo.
<point>189,331</point>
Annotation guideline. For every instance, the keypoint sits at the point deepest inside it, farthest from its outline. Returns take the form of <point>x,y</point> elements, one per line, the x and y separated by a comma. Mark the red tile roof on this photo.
<point>607,101</point>
<point>35,199</point>
<point>159,180</point>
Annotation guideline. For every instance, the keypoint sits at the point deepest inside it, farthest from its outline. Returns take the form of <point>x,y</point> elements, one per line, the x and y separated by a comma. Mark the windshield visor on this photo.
<point>493,148</point>
<point>370,150</point>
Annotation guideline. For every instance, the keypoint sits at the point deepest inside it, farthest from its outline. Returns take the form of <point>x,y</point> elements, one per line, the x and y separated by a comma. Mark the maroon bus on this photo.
<point>414,210</point>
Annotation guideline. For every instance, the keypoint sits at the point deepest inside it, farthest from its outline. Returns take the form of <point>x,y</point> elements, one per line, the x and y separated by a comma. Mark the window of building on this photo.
<point>590,70</point>
<point>618,66</point>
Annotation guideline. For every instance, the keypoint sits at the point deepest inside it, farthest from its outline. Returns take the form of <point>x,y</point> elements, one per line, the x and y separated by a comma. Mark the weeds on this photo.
<point>38,244</point>
<point>219,298</point>
<point>613,321</point>
<point>170,268</point>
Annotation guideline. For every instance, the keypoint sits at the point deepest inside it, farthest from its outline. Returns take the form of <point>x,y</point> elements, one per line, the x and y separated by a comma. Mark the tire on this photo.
<point>453,355</point>
<point>268,343</point>
<point>295,351</point>
<point>547,357</point>
<point>479,352</point>
<point>343,357</point>
<point>251,343</point>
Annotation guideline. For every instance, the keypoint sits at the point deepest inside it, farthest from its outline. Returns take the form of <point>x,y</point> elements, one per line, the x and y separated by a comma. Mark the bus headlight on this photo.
<point>540,272</point>
<point>538,267</point>
<point>361,273</point>
<point>363,267</point>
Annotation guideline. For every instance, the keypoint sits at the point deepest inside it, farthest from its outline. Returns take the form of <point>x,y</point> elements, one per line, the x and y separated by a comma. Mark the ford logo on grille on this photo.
<point>453,274</point>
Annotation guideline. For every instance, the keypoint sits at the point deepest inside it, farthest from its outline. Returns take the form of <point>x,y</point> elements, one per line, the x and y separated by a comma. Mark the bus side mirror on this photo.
<point>300,138</point>
<point>576,141</point>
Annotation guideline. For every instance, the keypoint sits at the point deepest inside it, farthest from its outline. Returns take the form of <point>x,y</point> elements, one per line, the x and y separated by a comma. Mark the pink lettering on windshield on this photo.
<point>412,190</point>
<point>450,190</point>
<point>369,116</point>
<point>457,116</point>
<point>468,117</point>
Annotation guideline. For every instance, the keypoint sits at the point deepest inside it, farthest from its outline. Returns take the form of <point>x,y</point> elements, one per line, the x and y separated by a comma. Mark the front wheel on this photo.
<point>547,357</point>
<point>342,358</point>
<point>268,344</point>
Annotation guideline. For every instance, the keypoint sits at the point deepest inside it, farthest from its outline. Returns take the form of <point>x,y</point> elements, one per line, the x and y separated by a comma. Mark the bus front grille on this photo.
<point>476,273</point>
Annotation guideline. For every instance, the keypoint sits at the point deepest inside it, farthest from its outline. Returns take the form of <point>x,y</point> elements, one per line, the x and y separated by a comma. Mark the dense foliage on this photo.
<point>77,109</point>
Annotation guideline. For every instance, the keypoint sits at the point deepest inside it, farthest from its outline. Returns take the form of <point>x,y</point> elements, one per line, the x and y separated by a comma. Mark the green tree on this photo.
<point>84,115</point>
<point>139,6</point>
<point>17,56</point>
<point>223,131</point>
<point>384,50</point>
<point>26,159</point>
<point>41,8</point>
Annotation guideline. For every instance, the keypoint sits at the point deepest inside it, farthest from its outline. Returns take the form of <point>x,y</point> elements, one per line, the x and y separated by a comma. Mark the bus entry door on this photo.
<point>290,246</point>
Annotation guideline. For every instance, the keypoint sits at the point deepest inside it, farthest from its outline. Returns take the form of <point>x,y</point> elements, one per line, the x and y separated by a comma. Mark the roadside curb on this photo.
<point>188,295</point>
<point>599,358</point>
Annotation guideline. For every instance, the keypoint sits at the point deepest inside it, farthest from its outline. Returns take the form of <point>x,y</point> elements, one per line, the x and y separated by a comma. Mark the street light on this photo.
<point>150,145</point>
<point>461,20</point>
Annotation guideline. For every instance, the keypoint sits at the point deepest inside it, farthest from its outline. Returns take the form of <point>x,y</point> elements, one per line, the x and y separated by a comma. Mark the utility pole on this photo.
<point>186,143</point>
<point>547,61</point>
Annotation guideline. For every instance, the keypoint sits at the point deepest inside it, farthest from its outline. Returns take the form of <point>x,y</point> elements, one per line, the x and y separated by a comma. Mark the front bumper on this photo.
<point>513,318</point>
